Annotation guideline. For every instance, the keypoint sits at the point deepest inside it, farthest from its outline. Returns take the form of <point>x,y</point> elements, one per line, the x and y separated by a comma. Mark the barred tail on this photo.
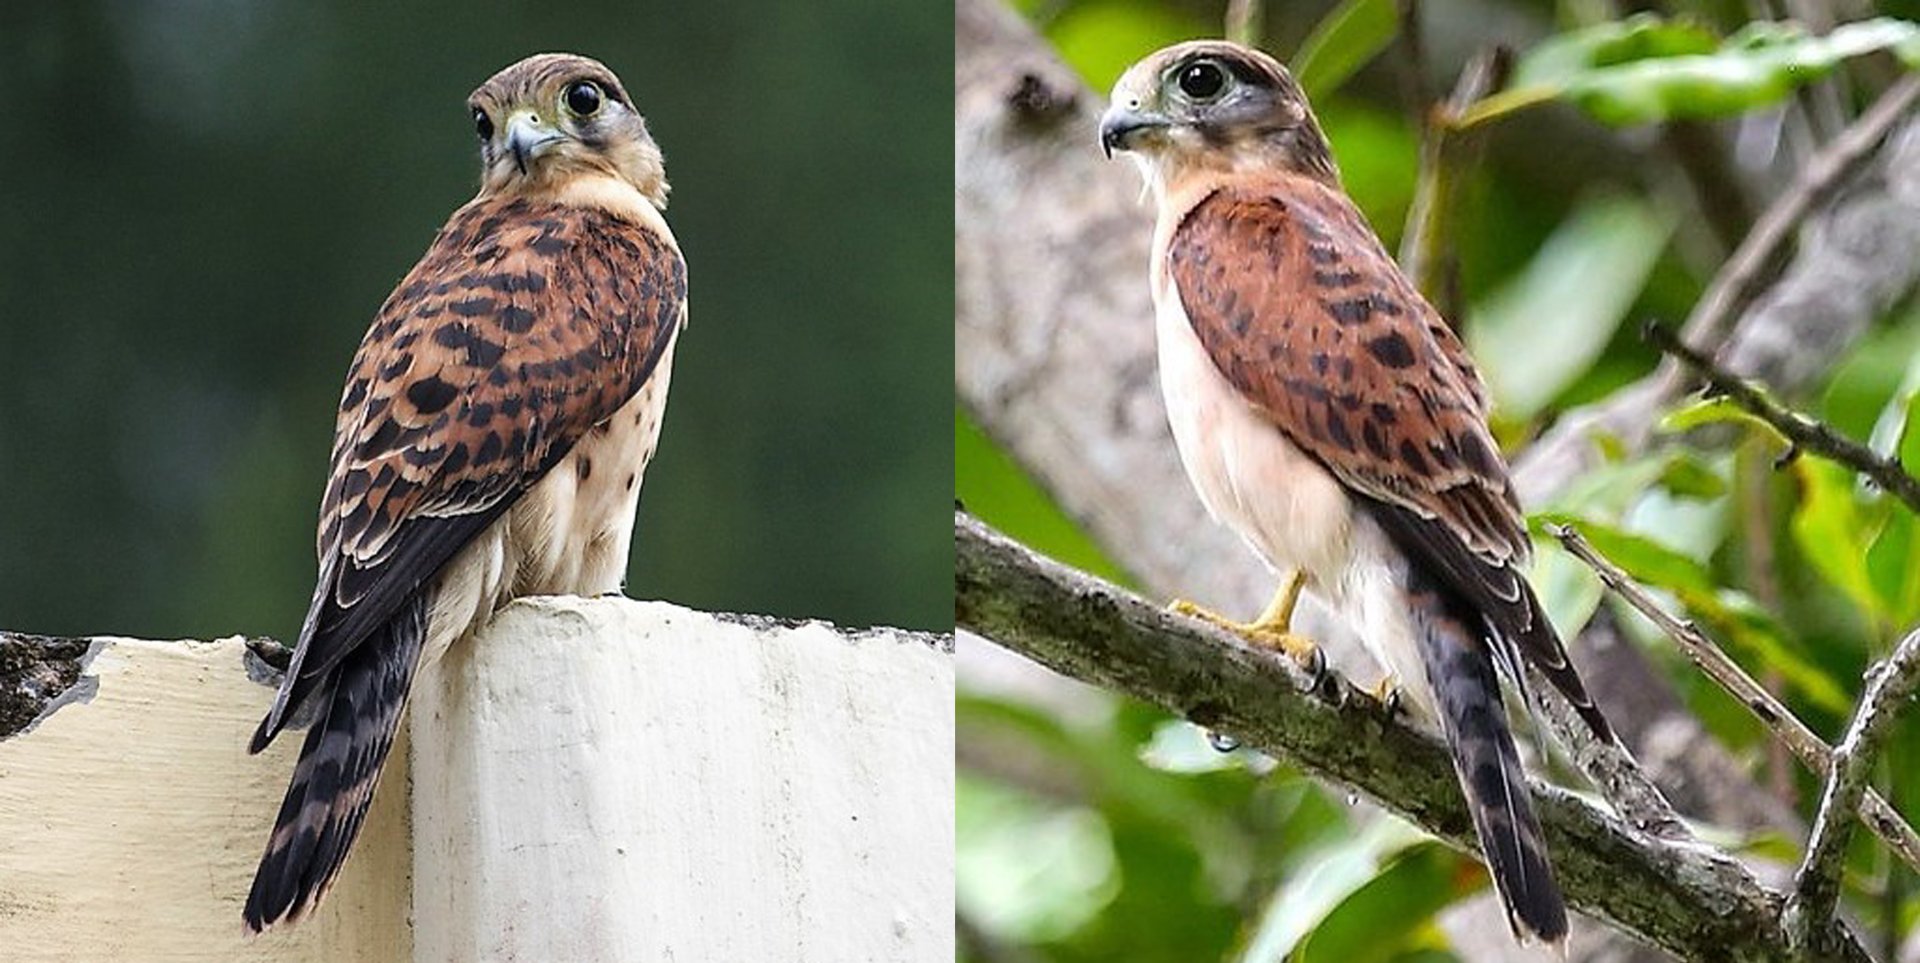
<point>1460,671</point>
<point>339,765</point>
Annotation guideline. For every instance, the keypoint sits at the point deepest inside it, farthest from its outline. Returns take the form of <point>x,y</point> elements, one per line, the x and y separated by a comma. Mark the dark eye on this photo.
<point>583,98</point>
<point>482,124</point>
<point>1203,80</point>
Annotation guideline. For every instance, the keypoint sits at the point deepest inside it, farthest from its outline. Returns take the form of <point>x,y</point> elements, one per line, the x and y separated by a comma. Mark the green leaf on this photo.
<point>1567,588</point>
<point>1609,490</point>
<point>1334,872</point>
<point>1749,630</point>
<point>1027,870</point>
<point>1345,39</point>
<point>1910,436</point>
<point>995,488</point>
<point>1756,638</point>
<point>1378,155</point>
<point>1394,911</point>
<point>1690,477</point>
<point>1893,563</point>
<point>1721,410</point>
<point>1644,70</point>
<point>1561,59</point>
<point>1101,40</point>
<point>1645,560</point>
<point>1834,531</point>
<point>1541,330</point>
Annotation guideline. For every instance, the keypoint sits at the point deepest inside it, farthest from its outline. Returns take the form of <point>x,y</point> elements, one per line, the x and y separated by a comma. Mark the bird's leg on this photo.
<point>1273,628</point>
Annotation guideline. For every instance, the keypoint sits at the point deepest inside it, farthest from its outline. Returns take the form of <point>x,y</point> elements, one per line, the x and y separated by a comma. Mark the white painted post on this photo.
<point>618,781</point>
<point>591,780</point>
<point>131,819</point>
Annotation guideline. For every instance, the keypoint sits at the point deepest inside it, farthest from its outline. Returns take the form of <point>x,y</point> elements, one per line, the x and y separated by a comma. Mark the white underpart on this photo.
<point>568,535</point>
<point>1288,509</point>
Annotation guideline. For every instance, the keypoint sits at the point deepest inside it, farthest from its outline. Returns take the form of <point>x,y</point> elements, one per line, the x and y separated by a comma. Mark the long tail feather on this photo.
<point>1460,671</point>
<point>339,765</point>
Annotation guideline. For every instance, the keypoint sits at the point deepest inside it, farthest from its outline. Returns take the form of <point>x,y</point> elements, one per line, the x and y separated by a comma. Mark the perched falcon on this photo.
<point>491,438</point>
<point>1326,412</point>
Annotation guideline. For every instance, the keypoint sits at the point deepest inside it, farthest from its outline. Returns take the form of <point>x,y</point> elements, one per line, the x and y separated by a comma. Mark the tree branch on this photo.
<point>1816,887</point>
<point>1812,750</point>
<point>1566,451</point>
<point>1804,432</point>
<point>1693,901</point>
<point>1757,261</point>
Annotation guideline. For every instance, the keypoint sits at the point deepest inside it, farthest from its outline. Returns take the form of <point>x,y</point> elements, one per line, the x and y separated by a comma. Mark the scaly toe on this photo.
<point>1192,610</point>
<point>1299,648</point>
<point>1186,608</point>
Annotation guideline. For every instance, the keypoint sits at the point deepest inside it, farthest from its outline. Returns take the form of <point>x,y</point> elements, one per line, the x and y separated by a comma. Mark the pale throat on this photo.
<point>591,188</point>
<point>1170,166</point>
<point>617,196</point>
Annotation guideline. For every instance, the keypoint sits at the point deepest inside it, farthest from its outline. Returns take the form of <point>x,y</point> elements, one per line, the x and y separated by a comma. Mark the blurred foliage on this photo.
<point>206,201</point>
<point>1644,69</point>
<point>1077,826</point>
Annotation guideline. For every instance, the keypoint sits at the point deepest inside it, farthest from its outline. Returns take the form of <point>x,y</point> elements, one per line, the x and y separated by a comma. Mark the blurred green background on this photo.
<point>202,203</point>
<point>1092,827</point>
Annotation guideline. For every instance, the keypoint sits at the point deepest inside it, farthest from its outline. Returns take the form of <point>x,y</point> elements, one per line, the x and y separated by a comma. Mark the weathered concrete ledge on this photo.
<point>593,780</point>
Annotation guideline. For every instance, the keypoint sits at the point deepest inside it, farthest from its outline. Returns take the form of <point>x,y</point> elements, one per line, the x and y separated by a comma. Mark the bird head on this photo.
<point>1212,105</point>
<point>554,116</point>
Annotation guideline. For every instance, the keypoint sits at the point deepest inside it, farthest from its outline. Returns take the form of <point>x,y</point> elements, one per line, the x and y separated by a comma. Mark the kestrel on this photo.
<point>491,439</point>
<point>1325,412</point>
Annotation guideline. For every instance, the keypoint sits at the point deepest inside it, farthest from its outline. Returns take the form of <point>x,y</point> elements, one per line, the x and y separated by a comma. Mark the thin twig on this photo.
<point>1816,887</point>
<point>1805,433</point>
<point>1447,157</point>
<point>1244,22</point>
<point>1813,752</point>
<point>1692,900</point>
<point>1415,94</point>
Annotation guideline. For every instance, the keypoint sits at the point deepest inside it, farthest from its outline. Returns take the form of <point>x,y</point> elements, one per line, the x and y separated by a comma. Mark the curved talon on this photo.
<point>1387,693</point>
<point>1315,664</point>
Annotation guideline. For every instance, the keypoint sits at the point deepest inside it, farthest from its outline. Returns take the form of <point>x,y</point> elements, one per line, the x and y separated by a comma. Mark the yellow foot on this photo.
<point>1263,633</point>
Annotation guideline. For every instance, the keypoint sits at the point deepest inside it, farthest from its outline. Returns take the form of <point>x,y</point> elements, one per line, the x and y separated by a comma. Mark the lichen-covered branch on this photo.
<point>1690,900</point>
<point>1816,887</point>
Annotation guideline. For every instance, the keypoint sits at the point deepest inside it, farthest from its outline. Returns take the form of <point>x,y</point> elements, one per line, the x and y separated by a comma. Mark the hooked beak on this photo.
<point>1119,125</point>
<point>528,137</point>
